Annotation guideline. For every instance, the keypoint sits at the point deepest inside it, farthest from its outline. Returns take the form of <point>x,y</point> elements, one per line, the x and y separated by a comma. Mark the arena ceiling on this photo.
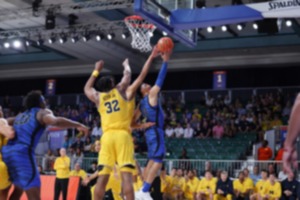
<point>215,50</point>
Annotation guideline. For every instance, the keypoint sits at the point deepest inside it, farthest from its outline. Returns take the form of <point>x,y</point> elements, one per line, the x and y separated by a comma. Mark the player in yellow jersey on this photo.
<point>240,187</point>
<point>116,104</point>
<point>167,183</point>
<point>260,186</point>
<point>272,190</point>
<point>6,132</point>
<point>191,184</point>
<point>207,187</point>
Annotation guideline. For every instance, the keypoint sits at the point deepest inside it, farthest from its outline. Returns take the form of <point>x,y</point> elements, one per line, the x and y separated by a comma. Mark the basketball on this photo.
<point>165,44</point>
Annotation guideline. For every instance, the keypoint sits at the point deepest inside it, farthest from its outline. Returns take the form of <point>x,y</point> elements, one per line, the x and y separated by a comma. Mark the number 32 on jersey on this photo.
<point>112,106</point>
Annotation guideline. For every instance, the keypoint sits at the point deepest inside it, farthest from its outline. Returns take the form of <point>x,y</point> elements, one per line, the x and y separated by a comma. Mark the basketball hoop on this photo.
<point>141,32</point>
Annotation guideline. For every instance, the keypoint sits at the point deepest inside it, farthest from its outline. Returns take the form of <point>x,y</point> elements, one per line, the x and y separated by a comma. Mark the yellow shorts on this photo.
<point>4,177</point>
<point>221,197</point>
<point>116,148</point>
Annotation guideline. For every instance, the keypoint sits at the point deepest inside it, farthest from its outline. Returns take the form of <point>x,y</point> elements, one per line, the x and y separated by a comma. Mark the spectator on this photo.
<point>260,186</point>
<point>272,169</point>
<point>289,188</point>
<point>188,131</point>
<point>77,158</point>
<point>205,130</point>
<point>272,189</point>
<point>218,131</point>
<point>240,187</point>
<point>207,187</point>
<point>87,145</point>
<point>276,121</point>
<point>196,114</point>
<point>279,154</point>
<point>62,167</point>
<point>68,143</point>
<point>265,152</point>
<point>78,172</point>
<point>243,125</point>
<point>282,176</point>
<point>195,122</point>
<point>78,143</point>
<point>255,176</point>
<point>185,164</point>
<point>287,109</point>
<point>166,183</point>
<point>191,185</point>
<point>93,168</point>
<point>97,131</point>
<point>208,167</point>
<point>224,188</point>
<point>208,100</point>
<point>40,169</point>
<point>227,99</point>
<point>248,181</point>
<point>170,132</point>
<point>179,131</point>
<point>48,161</point>
<point>178,184</point>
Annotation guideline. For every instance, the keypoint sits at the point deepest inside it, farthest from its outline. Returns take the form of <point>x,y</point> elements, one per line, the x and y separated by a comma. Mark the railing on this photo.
<point>232,166</point>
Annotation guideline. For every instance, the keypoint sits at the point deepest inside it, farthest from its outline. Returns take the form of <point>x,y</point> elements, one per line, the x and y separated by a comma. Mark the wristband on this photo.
<point>95,73</point>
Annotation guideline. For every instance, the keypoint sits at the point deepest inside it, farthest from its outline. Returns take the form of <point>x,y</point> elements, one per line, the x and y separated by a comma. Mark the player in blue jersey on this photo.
<point>18,154</point>
<point>151,109</point>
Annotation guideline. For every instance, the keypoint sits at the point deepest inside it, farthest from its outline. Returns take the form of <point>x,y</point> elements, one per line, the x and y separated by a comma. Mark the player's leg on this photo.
<point>124,149</point>
<point>57,189</point>
<point>64,188</point>
<point>106,162</point>
<point>99,191</point>
<point>16,194</point>
<point>4,193</point>
<point>33,193</point>
<point>4,183</point>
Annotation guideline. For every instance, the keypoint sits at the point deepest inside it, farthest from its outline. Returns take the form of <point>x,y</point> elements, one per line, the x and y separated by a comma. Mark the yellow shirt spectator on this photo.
<point>166,184</point>
<point>240,186</point>
<point>62,167</point>
<point>190,189</point>
<point>272,191</point>
<point>78,172</point>
<point>249,183</point>
<point>260,186</point>
<point>207,186</point>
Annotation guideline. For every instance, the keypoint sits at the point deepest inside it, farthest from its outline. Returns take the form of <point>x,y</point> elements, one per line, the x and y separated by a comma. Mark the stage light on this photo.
<point>6,45</point>
<point>74,39</point>
<point>27,43</point>
<point>63,39</point>
<point>52,39</point>
<point>255,26</point>
<point>17,44</point>
<point>288,23</point>
<point>125,35</point>
<point>99,37</point>
<point>110,36</point>
<point>224,28</point>
<point>86,37</point>
<point>150,34</point>
<point>40,42</point>
<point>164,33</point>
<point>240,27</point>
<point>209,29</point>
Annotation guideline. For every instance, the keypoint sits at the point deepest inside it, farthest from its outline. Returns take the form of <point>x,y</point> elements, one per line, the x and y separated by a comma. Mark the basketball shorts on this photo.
<point>21,165</point>
<point>116,148</point>
<point>4,178</point>
<point>155,140</point>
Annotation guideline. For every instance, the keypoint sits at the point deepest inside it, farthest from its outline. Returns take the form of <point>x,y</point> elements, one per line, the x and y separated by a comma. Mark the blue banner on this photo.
<point>50,87</point>
<point>219,80</point>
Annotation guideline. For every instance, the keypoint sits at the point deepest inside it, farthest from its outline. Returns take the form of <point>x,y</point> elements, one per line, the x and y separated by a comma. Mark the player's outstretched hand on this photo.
<point>126,64</point>
<point>147,125</point>
<point>154,52</point>
<point>289,159</point>
<point>166,56</point>
<point>99,65</point>
<point>83,129</point>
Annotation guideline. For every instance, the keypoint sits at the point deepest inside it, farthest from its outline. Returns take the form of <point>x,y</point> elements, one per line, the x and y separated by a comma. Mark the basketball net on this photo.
<point>141,32</point>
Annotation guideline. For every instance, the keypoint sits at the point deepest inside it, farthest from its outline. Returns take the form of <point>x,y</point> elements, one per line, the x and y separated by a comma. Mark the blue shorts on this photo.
<point>155,139</point>
<point>22,167</point>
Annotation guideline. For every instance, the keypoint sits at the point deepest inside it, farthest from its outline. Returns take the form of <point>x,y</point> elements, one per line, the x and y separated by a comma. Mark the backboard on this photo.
<point>158,12</point>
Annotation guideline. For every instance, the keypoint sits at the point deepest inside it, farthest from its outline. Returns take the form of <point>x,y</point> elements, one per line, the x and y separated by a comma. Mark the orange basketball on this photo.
<point>165,44</point>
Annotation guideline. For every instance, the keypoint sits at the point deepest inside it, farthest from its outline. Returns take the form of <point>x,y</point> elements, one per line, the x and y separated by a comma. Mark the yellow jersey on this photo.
<point>115,111</point>
<point>274,191</point>
<point>178,184</point>
<point>207,186</point>
<point>3,141</point>
<point>62,167</point>
<point>82,174</point>
<point>191,188</point>
<point>241,187</point>
<point>249,183</point>
<point>260,186</point>
<point>166,184</point>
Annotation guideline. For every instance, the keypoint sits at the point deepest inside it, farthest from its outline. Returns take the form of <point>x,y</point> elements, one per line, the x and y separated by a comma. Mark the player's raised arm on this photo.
<point>47,118</point>
<point>125,82</point>
<point>89,89</point>
<point>290,153</point>
<point>153,94</point>
<point>131,90</point>
<point>6,130</point>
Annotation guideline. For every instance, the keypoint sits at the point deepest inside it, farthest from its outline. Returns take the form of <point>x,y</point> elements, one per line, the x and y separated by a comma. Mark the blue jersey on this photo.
<point>27,128</point>
<point>152,113</point>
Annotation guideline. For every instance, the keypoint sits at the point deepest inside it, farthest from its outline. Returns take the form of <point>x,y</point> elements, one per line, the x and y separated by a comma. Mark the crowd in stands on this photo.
<point>217,117</point>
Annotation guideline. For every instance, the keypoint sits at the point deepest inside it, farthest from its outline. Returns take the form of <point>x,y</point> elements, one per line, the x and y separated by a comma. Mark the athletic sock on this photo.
<point>146,187</point>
